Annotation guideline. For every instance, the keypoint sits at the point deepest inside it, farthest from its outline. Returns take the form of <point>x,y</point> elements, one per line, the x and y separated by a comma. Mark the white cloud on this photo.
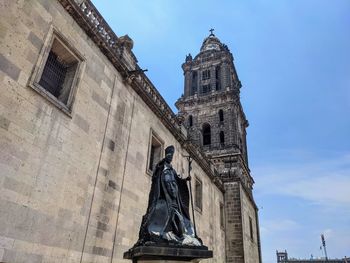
<point>281,225</point>
<point>323,190</point>
<point>324,182</point>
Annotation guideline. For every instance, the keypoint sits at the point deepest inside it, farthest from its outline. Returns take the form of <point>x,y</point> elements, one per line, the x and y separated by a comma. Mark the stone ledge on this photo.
<point>167,253</point>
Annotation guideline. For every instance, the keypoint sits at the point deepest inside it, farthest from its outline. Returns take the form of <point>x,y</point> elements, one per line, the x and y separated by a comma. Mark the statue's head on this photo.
<point>169,153</point>
<point>171,185</point>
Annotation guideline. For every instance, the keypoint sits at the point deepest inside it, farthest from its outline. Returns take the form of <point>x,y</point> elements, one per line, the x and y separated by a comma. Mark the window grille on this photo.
<point>56,77</point>
<point>53,74</point>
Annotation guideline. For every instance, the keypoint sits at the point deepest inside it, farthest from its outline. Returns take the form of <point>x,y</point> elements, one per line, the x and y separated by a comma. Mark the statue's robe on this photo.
<point>161,216</point>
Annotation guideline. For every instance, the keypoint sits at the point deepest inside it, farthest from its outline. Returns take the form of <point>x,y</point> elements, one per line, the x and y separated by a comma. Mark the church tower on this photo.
<point>214,117</point>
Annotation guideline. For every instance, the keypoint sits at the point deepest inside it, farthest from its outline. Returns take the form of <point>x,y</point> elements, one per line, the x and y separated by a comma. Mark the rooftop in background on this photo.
<point>282,257</point>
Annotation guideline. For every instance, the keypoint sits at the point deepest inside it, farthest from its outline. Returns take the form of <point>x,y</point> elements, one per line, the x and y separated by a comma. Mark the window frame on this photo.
<point>251,231</point>
<point>154,135</point>
<point>222,215</point>
<point>196,199</point>
<point>55,35</point>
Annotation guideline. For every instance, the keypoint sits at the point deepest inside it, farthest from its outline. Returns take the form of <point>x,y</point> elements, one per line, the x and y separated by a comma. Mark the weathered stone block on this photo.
<point>4,123</point>
<point>9,68</point>
<point>100,100</point>
<point>81,123</point>
<point>35,40</point>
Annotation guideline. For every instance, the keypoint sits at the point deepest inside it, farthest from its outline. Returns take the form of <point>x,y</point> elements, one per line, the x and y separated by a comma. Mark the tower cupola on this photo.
<point>211,43</point>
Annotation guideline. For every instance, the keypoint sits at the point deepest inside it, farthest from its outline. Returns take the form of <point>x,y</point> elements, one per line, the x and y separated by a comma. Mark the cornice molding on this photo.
<point>213,96</point>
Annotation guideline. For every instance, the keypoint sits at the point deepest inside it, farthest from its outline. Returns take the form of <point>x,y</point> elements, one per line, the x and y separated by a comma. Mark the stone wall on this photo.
<point>251,244</point>
<point>233,218</point>
<point>74,186</point>
<point>241,246</point>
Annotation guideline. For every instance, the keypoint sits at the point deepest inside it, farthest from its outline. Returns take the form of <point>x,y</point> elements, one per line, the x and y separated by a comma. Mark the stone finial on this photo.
<point>126,41</point>
<point>189,57</point>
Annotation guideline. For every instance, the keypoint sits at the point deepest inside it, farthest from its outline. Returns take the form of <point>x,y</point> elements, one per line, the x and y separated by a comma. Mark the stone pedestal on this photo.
<point>166,254</point>
<point>165,261</point>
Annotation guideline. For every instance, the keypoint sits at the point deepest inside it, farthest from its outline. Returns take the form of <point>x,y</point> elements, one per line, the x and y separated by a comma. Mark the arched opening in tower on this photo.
<point>190,121</point>
<point>206,134</point>
<point>221,115</point>
<point>222,137</point>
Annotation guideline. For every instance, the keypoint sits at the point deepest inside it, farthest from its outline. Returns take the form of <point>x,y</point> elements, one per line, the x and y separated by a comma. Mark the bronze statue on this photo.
<point>167,220</point>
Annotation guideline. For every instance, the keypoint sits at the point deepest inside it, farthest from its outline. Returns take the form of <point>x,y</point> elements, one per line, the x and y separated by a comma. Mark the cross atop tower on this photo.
<point>211,32</point>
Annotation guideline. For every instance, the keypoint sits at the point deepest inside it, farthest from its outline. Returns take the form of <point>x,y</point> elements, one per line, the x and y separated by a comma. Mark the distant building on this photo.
<point>282,257</point>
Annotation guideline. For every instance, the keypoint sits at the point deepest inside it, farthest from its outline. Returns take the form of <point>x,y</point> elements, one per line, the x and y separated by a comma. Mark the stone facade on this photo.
<point>74,182</point>
<point>213,114</point>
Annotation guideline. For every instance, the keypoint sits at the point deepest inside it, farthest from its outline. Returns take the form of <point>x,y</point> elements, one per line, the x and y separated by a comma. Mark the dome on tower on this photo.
<point>211,43</point>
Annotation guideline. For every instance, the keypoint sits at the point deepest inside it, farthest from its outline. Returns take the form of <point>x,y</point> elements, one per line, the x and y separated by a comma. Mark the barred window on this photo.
<point>57,73</point>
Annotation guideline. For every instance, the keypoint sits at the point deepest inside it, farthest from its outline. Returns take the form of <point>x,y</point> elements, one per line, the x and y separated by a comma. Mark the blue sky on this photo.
<point>293,59</point>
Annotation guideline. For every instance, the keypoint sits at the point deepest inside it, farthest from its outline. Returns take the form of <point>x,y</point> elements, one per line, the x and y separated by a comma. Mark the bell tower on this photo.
<point>214,117</point>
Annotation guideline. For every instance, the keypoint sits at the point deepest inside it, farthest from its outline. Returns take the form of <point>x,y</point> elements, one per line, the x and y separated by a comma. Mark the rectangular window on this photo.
<point>198,194</point>
<point>251,228</point>
<point>155,152</point>
<point>57,73</point>
<point>217,77</point>
<point>222,217</point>
<point>205,74</point>
<point>218,86</point>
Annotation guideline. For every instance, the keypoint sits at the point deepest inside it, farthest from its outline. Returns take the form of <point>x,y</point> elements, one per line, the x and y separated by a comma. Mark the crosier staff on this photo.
<point>189,159</point>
